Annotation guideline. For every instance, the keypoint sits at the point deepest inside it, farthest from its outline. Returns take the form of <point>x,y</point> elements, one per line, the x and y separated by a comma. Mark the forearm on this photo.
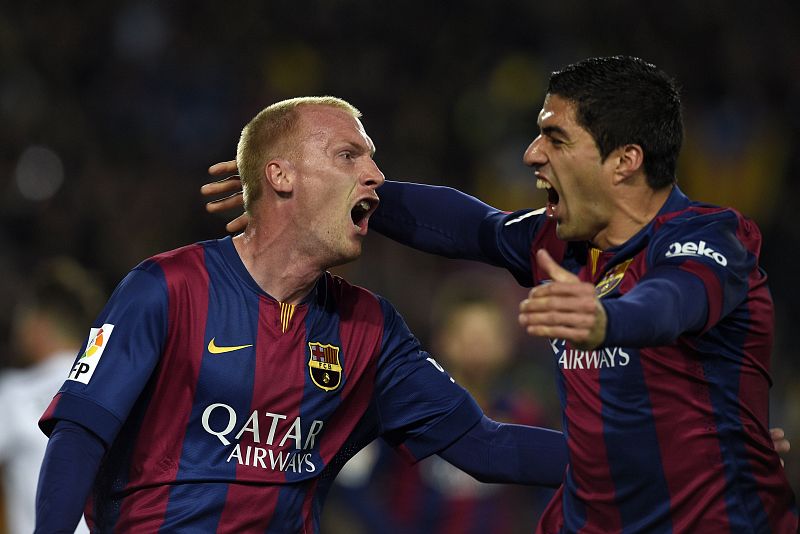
<point>657,311</point>
<point>68,470</point>
<point>517,454</point>
<point>435,219</point>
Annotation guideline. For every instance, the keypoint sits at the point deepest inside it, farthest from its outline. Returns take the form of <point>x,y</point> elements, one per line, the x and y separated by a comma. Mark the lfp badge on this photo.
<point>324,366</point>
<point>84,367</point>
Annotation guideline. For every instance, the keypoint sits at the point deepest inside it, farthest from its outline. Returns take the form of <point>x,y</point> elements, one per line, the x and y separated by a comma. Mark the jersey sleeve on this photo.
<point>445,221</point>
<point>118,358</point>
<point>699,270</point>
<point>720,249</point>
<point>419,405</point>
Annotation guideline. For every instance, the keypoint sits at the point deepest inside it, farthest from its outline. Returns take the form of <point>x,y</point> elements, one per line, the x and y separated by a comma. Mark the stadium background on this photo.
<point>110,113</point>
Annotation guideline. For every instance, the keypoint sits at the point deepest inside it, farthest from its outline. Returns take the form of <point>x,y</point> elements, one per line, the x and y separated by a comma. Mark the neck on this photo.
<point>633,209</point>
<point>275,262</point>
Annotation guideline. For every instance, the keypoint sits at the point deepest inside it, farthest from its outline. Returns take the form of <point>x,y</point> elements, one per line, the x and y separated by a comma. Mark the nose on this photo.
<point>534,155</point>
<point>372,175</point>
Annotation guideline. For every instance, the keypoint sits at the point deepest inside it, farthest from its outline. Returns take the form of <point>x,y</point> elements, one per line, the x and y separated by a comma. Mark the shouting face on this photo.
<point>337,182</point>
<point>567,163</point>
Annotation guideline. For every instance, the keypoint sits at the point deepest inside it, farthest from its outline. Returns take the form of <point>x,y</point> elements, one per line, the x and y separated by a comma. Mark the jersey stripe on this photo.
<point>360,335</point>
<point>237,367</point>
<point>690,396</point>
<point>160,437</point>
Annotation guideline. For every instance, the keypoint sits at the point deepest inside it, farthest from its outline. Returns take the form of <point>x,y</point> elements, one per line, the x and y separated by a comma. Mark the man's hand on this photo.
<point>229,184</point>
<point>779,441</point>
<point>565,308</point>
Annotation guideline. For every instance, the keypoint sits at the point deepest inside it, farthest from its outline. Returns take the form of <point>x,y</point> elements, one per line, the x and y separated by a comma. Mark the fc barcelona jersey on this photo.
<point>228,411</point>
<point>665,434</point>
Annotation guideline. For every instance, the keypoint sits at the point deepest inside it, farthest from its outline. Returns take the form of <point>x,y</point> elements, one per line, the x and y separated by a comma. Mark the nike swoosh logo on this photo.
<point>214,349</point>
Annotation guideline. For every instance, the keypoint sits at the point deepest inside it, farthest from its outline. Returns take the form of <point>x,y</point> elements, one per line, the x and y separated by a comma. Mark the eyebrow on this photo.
<point>360,148</point>
<point>557,130</point>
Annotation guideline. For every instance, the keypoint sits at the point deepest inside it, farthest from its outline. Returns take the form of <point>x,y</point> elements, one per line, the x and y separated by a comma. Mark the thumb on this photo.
<point>552,269</point>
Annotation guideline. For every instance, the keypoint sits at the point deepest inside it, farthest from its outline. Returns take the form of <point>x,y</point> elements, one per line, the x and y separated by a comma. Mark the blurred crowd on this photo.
<point>110,113</point>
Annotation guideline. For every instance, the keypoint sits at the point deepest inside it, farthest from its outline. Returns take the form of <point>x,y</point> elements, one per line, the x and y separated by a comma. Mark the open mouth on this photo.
<point>552,195</point>
<point>361,212</point>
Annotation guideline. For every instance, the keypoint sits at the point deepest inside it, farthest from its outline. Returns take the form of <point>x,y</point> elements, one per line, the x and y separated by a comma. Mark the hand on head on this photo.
<point>230,185</point>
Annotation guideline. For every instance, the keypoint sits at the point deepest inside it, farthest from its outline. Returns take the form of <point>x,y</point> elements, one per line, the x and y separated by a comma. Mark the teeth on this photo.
<point>543,184</point>
<point>364,205</point>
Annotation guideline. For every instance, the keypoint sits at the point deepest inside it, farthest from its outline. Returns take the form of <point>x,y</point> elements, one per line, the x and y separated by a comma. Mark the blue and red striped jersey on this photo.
<point>228,411</point>
<point>667,428</point>
<point>667,422</point>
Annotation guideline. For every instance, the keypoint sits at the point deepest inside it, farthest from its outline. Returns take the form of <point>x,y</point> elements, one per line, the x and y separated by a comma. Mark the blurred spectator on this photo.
<point>50,322</point>
<point>475,336</point>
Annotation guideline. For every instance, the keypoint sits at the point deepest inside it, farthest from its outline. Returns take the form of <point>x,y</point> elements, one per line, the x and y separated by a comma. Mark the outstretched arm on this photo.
<point>516,454</point>
<point>434,219</point>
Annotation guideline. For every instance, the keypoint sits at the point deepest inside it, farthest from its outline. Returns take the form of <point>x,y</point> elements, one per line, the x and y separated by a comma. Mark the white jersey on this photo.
<point>24,395</point>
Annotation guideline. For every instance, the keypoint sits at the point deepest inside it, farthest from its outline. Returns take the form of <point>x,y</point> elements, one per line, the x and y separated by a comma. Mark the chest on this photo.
<point>260,355</point>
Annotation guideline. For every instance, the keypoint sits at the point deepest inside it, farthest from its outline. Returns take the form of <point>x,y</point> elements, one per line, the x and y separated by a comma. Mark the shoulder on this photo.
<point>344,291</point>
<point>359,303</point>
<point>181,268</point>
<point>183,258</point>
<point>705,230</point>
<point>698,215</point>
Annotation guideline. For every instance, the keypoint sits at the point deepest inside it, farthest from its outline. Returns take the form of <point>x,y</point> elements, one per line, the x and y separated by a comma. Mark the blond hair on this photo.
<point>271,134</point>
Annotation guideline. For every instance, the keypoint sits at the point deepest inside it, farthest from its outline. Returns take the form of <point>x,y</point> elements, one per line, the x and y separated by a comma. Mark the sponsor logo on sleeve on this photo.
<point>697,250</point>
<point>84,368</point>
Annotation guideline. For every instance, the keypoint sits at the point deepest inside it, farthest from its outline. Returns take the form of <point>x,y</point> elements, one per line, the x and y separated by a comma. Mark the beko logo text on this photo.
<point>696,249</point>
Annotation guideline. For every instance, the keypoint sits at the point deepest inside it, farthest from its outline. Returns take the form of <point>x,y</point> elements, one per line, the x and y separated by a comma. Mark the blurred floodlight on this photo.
<point>39,173</point>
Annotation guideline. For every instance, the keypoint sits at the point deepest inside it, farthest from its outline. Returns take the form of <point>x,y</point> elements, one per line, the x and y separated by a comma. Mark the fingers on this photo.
<point>575,323</point>
<point>223,204</point>
<point>566,310</point>
<point>781,444</point>
<point>231,185</point>
<point>561,293</point>
<point>238,224</point>
<point>552,269</point>
<point>580,338</point>
<point>226,185</point>
<point>548,318</point>
<point>223,168</point>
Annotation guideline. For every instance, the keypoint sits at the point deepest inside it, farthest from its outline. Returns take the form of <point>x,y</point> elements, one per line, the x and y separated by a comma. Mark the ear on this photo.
<point>630,162</point>
<point>280,174</point>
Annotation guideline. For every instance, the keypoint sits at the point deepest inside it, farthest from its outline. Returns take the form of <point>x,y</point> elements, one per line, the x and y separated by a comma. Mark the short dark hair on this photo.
<point>622,100</point>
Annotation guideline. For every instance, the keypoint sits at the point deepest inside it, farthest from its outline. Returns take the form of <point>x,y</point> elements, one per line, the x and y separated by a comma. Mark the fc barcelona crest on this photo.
<point>611,279</point>
<point>324,366</point>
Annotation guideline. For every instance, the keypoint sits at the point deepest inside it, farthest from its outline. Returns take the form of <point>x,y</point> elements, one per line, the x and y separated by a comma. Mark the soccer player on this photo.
<point>226,383</point>
<point>658,314</point>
